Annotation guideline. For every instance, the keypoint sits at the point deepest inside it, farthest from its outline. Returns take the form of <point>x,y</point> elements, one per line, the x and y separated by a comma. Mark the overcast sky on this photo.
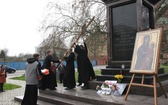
<point>19,22</point>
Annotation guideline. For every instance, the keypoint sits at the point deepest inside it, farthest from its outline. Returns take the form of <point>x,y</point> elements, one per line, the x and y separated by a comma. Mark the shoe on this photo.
<point>2,91</point>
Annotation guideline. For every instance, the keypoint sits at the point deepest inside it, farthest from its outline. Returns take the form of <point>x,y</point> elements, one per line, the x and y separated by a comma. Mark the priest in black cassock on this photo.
<point>80,57</point>
<point>85,68</point>
<point>49,81</point>
<point>69,78</point>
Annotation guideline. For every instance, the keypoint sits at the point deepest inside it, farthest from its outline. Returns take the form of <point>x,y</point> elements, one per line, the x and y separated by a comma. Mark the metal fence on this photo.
<point>21,65</point>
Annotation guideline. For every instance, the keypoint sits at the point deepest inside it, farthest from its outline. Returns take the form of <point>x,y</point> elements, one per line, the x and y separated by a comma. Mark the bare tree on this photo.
<point>70,19</point>
<point>53,42</point>
<point>3,54</point>
<point>97,34</point>
<point>66,21</point>
<point>162,21</point>
<point>161,8</point>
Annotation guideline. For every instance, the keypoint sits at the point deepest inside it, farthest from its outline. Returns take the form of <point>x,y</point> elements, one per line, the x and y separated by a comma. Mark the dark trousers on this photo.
<point>49,81</point>
<point>61,77</point>
<point>30,95</point>
<point>79,78</point>
<point>1,87</point>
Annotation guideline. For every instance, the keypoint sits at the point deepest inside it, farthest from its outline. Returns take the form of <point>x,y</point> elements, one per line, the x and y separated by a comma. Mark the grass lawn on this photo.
<point>97,72</point>
<point>165,68</point>
<point>8,86</point>
<point>19,78</point>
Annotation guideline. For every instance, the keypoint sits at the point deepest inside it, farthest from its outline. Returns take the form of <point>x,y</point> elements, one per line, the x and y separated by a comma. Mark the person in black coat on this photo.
<point>49,81</point>
<point>39,69</point>
<point>80,58</point>
<point>85,69</point>
<point>89,65</point>
<point>69,79</point>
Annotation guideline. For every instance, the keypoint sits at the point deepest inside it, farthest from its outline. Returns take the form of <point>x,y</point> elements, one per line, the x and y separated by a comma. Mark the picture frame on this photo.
<point>146,54</point>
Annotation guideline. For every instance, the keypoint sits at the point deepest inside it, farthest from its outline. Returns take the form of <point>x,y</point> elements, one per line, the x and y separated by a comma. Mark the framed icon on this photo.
<point>146,52</point>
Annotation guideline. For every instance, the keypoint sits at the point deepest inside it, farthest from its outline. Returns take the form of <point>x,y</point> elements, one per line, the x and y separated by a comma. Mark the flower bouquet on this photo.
<point>45,71</point>
<point>119,77</point>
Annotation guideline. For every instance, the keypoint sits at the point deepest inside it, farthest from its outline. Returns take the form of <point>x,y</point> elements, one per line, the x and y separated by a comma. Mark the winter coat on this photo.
<point>2,76</point>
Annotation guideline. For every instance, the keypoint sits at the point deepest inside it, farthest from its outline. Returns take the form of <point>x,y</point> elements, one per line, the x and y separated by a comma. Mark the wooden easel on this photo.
<point>155,78</point>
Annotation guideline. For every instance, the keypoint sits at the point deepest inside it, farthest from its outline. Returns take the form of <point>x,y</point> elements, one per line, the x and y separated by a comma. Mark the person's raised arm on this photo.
<point>86,48</point>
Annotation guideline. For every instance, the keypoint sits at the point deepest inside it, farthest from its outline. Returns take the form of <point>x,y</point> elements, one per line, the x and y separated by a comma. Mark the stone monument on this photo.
<point>124,19</point>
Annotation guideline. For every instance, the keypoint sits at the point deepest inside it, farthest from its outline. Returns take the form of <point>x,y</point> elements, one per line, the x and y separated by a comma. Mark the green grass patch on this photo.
<point>97,72</point>
<point>76,76</point>
<point>19,78</point>
<point>8,86</point>
<point>165,68</point>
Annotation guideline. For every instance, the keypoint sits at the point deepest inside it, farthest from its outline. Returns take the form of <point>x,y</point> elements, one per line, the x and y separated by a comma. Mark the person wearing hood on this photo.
<point>32,74</point>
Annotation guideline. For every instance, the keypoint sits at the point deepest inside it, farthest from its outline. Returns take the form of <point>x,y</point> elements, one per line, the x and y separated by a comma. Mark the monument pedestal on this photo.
<point>124,19</point>
<point>109,73</point>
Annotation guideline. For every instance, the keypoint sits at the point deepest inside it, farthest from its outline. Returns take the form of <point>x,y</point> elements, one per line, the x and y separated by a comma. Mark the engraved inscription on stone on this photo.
<point>124,26</point>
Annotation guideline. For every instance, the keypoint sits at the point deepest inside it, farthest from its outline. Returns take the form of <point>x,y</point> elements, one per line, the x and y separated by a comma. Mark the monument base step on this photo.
<point>44,99</point>
<point>84,97</point>
<point>78,96</point>
<point>126,71</point>
<point>137,90</point>
<point>39,102</point>
<point>75,96</point>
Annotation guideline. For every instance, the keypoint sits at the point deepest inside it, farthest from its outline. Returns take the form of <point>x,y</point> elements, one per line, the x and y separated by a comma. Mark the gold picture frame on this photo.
<point>146,54</point>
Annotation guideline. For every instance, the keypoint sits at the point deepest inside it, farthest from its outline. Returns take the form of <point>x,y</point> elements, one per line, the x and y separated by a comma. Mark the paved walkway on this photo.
<point>7,97</point>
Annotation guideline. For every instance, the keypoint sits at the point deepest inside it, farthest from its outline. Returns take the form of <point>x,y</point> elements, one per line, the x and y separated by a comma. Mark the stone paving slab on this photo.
<point>39,102</point>
<point>7,97</point>
<point>91,94</point>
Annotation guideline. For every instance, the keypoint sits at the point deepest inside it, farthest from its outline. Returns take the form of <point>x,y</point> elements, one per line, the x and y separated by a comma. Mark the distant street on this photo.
<point>7,98</point>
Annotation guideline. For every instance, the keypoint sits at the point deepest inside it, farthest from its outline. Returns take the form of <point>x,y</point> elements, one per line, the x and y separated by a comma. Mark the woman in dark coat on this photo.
<point>2,77</point>
<point>49,81</point>
<point>69,79</point>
